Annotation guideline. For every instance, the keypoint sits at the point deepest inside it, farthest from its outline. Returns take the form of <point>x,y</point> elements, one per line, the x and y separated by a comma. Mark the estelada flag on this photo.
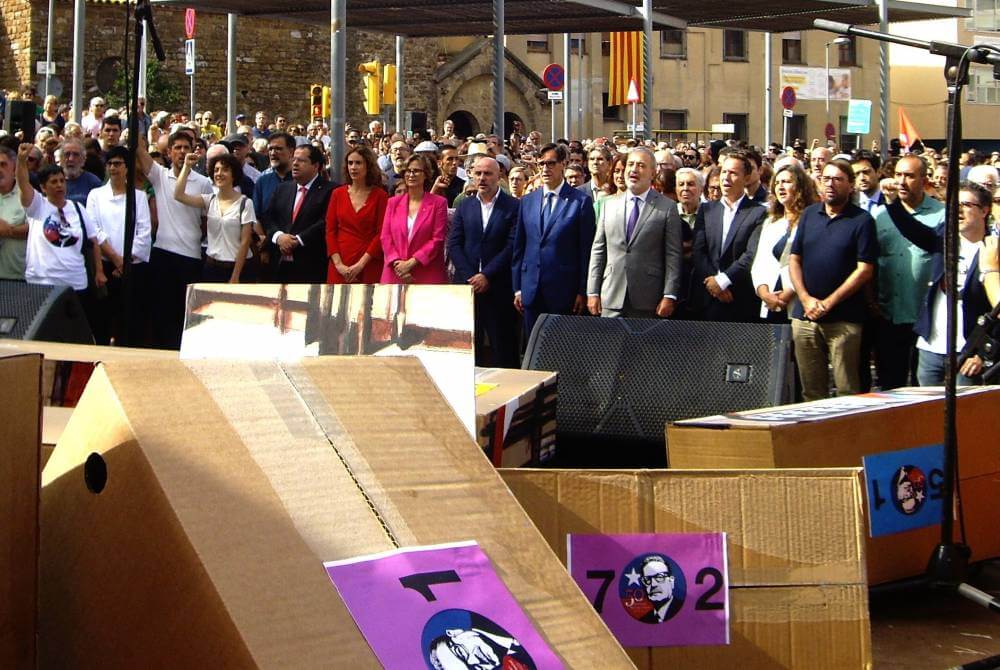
<point>907,131</point>
<point>626,66</point>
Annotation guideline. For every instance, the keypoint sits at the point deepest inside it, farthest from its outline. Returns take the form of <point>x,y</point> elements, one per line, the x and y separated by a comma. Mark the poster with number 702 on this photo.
<point>656,589</point>
<point>440,607</point>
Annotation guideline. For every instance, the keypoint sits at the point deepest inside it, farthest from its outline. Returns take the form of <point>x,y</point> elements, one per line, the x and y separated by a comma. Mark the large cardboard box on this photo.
<point>795,547</point>
<point>516,416</point>
<point>20,434</point>
<point>228,484</point>
<point>840,431</point>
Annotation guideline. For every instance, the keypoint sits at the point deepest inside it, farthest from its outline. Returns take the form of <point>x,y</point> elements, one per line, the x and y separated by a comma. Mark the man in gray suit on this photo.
<point>635,262</point>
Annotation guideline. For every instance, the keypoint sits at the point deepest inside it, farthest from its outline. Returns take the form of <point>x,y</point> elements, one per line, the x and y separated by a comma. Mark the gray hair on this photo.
<point>698,177</point>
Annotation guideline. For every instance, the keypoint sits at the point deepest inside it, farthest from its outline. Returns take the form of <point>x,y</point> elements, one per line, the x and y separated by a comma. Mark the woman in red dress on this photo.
<point>354,222</point>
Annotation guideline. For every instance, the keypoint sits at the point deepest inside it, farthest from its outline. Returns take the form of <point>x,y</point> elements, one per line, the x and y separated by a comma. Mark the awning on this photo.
<point>430,18</point>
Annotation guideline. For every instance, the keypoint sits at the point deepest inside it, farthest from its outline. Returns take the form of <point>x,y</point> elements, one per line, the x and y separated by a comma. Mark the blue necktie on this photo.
<point>547,211</point>
<point>633,219</point>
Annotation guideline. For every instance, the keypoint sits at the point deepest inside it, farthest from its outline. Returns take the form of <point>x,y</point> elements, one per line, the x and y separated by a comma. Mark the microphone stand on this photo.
<point>143,12</point>
<point>948,564</point>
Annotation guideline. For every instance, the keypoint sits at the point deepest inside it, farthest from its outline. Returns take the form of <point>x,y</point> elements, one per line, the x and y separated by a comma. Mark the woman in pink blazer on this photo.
<point>414,230</point>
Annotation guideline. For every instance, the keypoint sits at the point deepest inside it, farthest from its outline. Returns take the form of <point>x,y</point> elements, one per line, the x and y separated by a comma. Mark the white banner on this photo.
<point>808,82</point>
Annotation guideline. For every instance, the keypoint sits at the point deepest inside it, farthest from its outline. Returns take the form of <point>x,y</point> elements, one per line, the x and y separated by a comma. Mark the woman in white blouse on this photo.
<point>230,218</point>
<point>792,190</point>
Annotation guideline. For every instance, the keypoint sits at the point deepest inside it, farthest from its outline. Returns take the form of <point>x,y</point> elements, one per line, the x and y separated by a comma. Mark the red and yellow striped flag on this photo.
<point>626,65</point>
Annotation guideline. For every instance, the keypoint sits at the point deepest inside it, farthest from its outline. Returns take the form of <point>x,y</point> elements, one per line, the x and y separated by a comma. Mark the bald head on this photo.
<point>486,173</point>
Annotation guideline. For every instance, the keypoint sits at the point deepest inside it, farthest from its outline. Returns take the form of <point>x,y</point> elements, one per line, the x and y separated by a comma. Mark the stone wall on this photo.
<point>276,63</point>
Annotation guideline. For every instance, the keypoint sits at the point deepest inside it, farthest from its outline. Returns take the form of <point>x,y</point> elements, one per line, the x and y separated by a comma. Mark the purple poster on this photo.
<point>656,589</point>
<point>442,608</point>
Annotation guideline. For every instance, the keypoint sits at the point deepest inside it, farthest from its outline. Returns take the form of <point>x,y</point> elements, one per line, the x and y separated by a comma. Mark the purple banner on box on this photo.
<point>439,607</point>
<point>656,589</point>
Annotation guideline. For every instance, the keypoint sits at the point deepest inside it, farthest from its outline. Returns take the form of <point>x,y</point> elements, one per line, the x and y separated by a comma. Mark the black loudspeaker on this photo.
<point>20,117</point>
<point>37,312</point>
<point>416,121</point>
<point>621,380</point>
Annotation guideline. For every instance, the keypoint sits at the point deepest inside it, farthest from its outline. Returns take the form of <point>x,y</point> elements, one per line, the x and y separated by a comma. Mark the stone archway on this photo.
<point>466,123</point>
<point>467,84</point>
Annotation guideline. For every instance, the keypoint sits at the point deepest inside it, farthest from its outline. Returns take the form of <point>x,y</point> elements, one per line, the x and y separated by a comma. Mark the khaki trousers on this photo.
<point>819,344</point>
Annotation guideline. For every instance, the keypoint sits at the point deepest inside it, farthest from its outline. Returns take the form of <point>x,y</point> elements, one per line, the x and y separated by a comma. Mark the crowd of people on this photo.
<point>844,246</point>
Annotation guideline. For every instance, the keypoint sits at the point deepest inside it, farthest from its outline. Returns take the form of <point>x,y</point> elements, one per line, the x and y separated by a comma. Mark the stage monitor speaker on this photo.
<point>20,117</point>
<point>622,380</point>
<point>37,312</point>
<point>416,121</point>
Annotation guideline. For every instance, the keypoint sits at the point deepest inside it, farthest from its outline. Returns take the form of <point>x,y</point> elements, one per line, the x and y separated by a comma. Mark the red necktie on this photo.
<point>298,202</point>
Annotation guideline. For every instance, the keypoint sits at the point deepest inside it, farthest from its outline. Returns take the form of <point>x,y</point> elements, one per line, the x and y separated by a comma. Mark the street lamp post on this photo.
<point>838,41</point>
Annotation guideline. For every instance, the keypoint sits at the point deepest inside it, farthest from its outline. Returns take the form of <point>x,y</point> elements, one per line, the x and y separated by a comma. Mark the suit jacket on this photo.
<point>426,244</point>
<point>472,247</point>
<point>973,293</point>
<point>648,266</point>
<point>309,260</point>
<point>733,256</point>
<point>550,266</point>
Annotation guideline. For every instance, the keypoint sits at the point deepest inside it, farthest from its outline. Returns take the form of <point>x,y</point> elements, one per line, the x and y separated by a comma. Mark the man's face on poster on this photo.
<point>657,581</point>
<point>905,495</point>
<point>466,650</point>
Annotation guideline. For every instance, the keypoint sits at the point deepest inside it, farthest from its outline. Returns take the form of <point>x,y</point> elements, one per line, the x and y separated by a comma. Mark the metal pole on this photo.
<point>784,131</point>
<point>579,86</point>
<point>79,21</point>
<point>827,84</point>
<point>143,56</point>
<point>883,78</point>
<point>48,45</point>
<point>231,74</point>
<point>567,97</point>
<point>338,79</point>
<point>552,103</point>
<point>767,90</point>
<point>192,97</point>
<point>400,63</point>
<point>633,120</point>
<point>499,65</point>
<point>647,59</point>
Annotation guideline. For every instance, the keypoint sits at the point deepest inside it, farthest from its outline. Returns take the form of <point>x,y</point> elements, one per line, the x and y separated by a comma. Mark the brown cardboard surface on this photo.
<point>20,434</point>
<point>516,419</point>
<point>842,441</point>
<point>796,566</point>
<point>228,486</point>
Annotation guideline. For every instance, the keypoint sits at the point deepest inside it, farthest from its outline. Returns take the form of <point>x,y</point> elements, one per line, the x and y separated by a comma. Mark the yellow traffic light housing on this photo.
<point>326,102</point>
<point>389,85</point>
<point>316,101</point>
<point>373,87</point>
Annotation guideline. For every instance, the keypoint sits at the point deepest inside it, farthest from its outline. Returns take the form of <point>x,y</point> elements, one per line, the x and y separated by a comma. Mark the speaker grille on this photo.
<point>627,377</point>
<point>21,302</point>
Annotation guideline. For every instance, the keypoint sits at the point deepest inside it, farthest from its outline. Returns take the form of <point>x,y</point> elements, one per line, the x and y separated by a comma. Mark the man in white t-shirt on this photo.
<point>57,228</point>
<point>175,260</point>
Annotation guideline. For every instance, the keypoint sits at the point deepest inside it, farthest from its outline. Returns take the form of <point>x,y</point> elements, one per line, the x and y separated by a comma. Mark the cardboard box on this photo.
<point>516,415</point>
<point>839,431</point>
<point>228,484</point>
<point>67,367</point>
<point>795,547</point>
<point>20,433</point>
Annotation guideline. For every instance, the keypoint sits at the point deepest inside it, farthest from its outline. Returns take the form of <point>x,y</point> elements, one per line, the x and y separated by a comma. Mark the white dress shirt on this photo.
<point>728,215</point>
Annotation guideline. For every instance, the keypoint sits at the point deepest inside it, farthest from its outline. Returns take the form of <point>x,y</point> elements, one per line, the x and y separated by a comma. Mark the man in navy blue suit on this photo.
<point>554,233</point>
<point>480,245</point>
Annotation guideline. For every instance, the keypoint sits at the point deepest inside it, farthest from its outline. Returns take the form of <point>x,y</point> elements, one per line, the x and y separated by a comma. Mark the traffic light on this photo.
<point>389,84</point>
<point>373,87</point>
<point>326,102</point>
<point>316,101</point>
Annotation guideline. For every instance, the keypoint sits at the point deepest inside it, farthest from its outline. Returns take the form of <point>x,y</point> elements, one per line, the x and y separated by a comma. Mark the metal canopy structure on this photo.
<point>440,18</point>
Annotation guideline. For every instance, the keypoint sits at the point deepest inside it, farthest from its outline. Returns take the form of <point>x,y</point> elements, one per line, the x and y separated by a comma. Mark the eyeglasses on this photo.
<point>969,205</point>
<point>658,578</point>
<point>548,163</point>
<point>413,172</point>
<point>692,157</point>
